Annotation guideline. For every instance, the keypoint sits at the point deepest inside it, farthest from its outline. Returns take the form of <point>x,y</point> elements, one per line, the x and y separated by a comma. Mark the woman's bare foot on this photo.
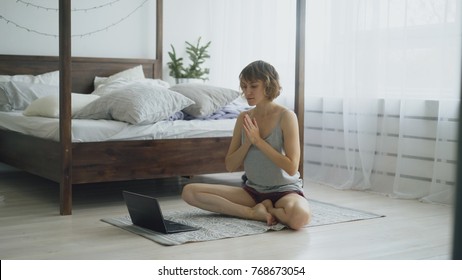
<point>268,204</point>
<point>269,207</point>
<point>261,214</point>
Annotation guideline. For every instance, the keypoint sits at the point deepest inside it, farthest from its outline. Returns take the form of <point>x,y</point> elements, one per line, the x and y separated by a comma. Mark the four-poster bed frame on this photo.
<point>71,163</point>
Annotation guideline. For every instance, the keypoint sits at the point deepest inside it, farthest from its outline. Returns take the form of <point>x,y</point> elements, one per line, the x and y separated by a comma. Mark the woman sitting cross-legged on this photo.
<point>266,142</point>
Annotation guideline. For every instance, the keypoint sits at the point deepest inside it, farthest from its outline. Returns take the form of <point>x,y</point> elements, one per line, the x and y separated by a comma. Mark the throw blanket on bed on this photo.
<point>230,111</point>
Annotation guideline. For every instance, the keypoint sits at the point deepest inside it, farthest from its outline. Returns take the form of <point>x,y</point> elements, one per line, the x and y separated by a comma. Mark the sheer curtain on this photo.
<point>382,85</point>
<point>382,95</point>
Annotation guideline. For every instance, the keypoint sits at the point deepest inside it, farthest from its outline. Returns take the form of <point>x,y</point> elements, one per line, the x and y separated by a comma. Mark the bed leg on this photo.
<point>65,199</point>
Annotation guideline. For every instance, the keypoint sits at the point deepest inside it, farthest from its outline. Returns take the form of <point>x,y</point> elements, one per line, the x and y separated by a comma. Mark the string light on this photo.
<point>27,29</point>
<point>106,28</point>
<point>115,23</point>
<point>73,10</point>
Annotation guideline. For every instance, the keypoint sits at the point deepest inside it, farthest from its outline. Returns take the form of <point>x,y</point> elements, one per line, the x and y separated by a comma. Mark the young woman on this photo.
<point>266,141</point>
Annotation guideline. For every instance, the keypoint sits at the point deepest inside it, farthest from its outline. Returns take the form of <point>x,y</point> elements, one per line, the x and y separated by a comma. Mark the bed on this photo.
<point>70,162</point>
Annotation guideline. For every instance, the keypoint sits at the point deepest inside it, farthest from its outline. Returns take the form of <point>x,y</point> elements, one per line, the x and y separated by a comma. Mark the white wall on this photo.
<point>105,31</point>
<point>126,28</point>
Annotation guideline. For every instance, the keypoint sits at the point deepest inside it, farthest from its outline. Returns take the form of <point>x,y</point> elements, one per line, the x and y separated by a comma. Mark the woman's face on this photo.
<point>254,91</point>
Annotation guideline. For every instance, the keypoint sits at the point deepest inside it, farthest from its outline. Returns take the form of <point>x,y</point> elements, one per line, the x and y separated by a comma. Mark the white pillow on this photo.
<point>18,95</point>
<point>138,102</point>
<point>161,83</point>
<point>207,99</point>
<point>109,87</point>
<point>48,106</point>
<point>49,78</point>
<point>98,81</point>
<point>131,74</point>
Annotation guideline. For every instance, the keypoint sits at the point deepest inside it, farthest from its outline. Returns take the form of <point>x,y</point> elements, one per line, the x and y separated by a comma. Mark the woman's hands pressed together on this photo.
<point>251,129</point>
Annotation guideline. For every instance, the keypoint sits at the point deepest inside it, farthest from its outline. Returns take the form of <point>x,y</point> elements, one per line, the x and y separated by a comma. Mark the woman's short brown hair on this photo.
<point>265,72</point>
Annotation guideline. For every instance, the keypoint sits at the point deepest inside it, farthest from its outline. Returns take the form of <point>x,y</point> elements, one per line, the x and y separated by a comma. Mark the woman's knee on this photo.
<point>299,217</point>
<point>188,193</point>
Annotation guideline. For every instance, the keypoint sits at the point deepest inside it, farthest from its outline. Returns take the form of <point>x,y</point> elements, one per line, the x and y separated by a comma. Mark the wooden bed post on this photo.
<point>159,38</point>
<point>300,76</point>
<point>65,85</point>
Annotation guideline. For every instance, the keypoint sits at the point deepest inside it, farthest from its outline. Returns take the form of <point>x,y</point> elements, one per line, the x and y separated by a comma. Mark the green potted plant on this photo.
<point>195,70</point>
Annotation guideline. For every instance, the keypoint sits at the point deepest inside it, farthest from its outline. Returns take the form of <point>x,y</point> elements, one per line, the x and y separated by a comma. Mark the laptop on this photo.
<point>145,212</point>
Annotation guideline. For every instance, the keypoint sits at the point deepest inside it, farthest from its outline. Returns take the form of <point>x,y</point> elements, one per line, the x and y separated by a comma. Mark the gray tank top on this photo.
<point>265,176</point>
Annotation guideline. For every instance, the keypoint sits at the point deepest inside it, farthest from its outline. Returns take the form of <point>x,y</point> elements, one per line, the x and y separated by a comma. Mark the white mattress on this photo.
<point>106,130</point>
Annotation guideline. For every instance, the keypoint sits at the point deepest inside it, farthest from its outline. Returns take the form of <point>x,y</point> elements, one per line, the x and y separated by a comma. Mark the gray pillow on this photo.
<point>207,99</point>
<point>139,102</point>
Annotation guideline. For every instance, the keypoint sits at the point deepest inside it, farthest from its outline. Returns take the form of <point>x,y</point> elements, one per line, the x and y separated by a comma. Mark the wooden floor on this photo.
<point>30,227</point>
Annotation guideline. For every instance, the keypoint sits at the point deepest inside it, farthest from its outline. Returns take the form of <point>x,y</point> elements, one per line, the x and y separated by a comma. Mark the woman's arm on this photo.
<point>289,125</point>
<point>237,151</point>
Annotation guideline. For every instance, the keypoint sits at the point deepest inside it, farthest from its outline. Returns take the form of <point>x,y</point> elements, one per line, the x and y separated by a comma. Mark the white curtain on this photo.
<point>382,95</point>
<point>382,85</point>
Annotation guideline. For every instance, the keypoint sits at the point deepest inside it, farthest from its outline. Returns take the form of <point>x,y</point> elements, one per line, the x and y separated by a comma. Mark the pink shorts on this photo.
<point>273,196</point>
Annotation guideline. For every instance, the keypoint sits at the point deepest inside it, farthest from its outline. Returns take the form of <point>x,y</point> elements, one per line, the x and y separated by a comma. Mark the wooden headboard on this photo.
<point>84,69</point>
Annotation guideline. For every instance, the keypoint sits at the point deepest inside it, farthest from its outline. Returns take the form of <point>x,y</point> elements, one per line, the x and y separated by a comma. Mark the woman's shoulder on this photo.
<point>246,112</point>
<point>285,112</point>
<point>241,115</point>
<point>288,116</point>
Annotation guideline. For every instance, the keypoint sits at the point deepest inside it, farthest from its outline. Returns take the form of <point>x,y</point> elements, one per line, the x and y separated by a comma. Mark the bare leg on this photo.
<point>292,210</point>
<point>228,200</point>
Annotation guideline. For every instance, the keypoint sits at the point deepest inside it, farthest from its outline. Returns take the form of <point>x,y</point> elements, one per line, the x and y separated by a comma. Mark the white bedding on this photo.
<point>106,130</point>
<point>125,106</point>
